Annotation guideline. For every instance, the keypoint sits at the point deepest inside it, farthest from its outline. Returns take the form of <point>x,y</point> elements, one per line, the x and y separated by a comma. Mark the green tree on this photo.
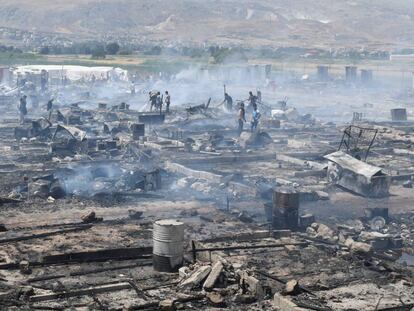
<point>156,50</point>
<point>112,48</point>
<point>44,50</point>
<point>98,52</point>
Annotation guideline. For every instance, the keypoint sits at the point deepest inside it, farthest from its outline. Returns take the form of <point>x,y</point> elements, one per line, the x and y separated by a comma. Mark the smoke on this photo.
<point>196,84</point>
<point>88,180</point>
<point>333,100</point>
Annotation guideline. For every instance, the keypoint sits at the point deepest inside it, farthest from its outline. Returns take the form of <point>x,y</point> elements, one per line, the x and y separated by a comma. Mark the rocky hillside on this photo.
<point>306,23</point>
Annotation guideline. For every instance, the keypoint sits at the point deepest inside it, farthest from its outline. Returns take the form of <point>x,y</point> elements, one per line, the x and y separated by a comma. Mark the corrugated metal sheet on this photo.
<point>350,163</point>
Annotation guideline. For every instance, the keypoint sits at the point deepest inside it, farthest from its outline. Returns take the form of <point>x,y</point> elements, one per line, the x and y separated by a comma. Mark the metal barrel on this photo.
<point>168,245</point>
<point>285,209</point>
<point>286,199</point>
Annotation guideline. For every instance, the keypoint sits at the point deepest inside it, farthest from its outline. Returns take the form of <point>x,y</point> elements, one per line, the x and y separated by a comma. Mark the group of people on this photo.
<point>241,115</point>
<point>253,100</point>
<point>157,100</point>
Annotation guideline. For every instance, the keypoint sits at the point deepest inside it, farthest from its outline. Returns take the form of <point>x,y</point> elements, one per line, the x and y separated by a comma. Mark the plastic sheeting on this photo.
<point>75,73</point>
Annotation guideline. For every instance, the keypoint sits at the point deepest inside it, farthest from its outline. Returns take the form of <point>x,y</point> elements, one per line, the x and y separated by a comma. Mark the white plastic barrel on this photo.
<point>168,245</point>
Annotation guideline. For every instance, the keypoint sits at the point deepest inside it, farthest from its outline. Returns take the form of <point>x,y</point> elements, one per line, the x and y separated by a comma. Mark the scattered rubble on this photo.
<point>298,214</point>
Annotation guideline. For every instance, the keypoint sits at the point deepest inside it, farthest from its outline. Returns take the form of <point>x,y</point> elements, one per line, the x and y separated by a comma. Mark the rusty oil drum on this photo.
<point>285,209</point>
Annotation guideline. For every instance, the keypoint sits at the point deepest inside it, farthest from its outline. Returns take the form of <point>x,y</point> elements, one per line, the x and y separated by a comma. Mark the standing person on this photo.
<point>255,119</point>
<point>229,101</point>
<point>159,102</point>
<point>22,108</point>
<point>167,101</point>
<point>153,99</point>
<point>49,108</point>
<point>252,100</point>
<point>241,118</point>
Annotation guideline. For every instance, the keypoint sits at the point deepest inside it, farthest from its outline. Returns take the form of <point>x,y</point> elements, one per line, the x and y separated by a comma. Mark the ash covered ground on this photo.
<point>311,209</point>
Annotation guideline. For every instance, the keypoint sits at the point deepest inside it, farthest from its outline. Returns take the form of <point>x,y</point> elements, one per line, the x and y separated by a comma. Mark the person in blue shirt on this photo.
<point>255,119</point>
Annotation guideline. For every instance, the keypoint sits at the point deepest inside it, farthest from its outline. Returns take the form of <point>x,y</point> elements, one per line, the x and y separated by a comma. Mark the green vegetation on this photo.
<point>136,62</point>
<point>44,50</point>
<point>112,48</point>
<point>175,63</point>
<point>156,50</point>
<point>165,65</point>
<point>13,58</point>
<point>98,52</point>
<point>223,55</point>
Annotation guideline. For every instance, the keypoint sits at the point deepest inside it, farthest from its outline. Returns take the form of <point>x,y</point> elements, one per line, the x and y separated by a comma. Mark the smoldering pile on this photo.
<point>90,180</point>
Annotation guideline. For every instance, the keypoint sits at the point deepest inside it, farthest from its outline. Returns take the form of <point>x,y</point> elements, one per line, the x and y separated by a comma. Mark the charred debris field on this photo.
<point>129,191</point>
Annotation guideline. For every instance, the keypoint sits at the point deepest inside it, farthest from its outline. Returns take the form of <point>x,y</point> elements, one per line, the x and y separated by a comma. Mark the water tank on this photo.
<point>351,73</point>
<point>323,73</point>
<point>168,245</point>
<point>399,114</point>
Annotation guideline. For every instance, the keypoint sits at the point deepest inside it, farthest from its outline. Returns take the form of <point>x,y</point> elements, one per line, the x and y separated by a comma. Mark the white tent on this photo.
<point>75,73</point>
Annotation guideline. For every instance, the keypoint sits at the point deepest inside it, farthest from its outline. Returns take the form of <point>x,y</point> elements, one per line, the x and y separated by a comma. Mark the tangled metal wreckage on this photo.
<point>108,208</point>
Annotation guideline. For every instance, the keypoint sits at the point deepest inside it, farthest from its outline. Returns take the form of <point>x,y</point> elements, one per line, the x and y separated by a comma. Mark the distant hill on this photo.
<point>301,23</point>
